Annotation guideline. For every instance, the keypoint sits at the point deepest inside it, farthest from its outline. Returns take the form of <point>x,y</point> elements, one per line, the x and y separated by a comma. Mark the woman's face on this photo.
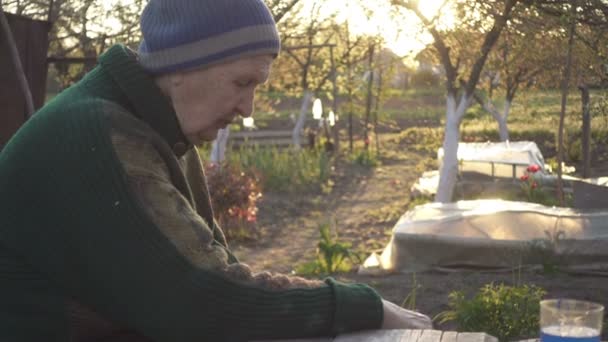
<point>208,99</point>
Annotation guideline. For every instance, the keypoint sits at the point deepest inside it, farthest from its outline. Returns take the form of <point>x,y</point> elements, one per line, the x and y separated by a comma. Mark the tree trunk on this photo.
<point>586,130</point>
<point>350,130</point>
<point>297,143</point>
<point>562,114</point>
<point>448,172</point>
<point>501,119</point>
<point>503,130</point>
<point>334,105</point>
<point>377,110</point>
<point>368,103</point>
<point>218,149</point>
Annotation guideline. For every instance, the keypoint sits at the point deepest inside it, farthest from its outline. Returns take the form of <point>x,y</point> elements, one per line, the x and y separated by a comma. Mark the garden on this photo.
<point>316,214</point>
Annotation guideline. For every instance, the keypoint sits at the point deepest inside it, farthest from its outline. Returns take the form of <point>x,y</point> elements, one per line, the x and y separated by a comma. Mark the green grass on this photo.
<point>434,113</point>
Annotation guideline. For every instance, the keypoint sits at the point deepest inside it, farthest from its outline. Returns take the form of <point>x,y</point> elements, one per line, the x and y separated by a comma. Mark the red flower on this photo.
<point>524,177</point>
<point>534,185</point>
<point>366,141</point>
<point>533,168</point>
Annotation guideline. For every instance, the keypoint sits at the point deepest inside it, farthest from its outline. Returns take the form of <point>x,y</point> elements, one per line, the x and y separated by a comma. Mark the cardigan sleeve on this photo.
<point>172,213</point>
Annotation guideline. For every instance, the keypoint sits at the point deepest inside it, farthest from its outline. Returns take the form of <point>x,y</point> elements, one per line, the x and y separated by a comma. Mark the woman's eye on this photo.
<point>244,83</point>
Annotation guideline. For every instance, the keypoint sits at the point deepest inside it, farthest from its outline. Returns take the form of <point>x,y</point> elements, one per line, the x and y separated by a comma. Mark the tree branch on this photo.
<point>489,41</point>
<point>442,49</point>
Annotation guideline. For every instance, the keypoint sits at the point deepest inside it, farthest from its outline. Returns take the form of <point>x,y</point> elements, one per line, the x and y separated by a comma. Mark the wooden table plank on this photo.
<point>430,336</point>
<point>317,339</point>
<point>372,336</point>
<point>415,335</point>
<point>475,337</point>
<point>449,336</point>
<point>403,335</point>
<point>406,336</point>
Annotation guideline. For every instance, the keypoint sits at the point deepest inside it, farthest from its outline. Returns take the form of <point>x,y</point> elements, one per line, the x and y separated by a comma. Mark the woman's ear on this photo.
<point>176,79</point>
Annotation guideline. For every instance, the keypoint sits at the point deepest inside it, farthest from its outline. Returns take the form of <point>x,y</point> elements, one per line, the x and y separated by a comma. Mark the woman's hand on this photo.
<point>396,317</point>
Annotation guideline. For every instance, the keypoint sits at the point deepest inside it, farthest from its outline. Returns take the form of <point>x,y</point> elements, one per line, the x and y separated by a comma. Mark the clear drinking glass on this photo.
<point>569,320</point>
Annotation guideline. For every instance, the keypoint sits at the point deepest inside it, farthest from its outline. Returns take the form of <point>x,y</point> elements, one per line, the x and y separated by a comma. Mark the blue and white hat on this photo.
<point>187,34</point>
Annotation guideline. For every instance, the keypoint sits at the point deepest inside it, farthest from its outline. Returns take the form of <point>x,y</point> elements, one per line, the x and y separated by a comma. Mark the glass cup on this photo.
<point>569,320</point>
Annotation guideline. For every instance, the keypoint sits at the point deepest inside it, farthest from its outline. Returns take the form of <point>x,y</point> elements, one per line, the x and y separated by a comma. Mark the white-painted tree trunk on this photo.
<point>501,118</point>
<point>296,136</point>
<point>503,130</point>
<point>448,173</point>
<point>218,149</point>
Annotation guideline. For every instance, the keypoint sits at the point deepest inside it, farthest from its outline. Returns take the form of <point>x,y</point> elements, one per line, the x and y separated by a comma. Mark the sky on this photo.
<point>402,35</point>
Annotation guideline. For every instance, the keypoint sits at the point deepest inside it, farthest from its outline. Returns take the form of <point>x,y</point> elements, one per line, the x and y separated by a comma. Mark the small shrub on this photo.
<point>506,312</point>
<point>332,256</point>
<point>234,195</point>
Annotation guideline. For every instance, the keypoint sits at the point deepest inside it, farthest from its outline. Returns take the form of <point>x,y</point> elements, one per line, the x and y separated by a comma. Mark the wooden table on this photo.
<point>403,336</point>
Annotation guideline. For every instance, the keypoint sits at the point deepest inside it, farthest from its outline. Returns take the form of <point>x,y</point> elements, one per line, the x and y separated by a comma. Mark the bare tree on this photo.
<point>523,53</point>
<point>280,8</point>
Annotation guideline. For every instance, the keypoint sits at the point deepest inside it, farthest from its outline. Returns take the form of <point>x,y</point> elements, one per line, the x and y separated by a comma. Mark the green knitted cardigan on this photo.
<point>70,229</point>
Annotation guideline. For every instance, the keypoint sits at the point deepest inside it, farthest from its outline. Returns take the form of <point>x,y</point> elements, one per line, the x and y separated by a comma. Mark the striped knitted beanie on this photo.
<point>187,34</point>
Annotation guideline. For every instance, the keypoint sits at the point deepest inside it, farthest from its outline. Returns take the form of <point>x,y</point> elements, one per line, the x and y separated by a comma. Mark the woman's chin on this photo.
<point>203,137</point>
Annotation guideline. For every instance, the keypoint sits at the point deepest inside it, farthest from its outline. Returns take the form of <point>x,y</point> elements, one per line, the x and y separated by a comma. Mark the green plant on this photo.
<point>285,170</point>
<point>410,300</point>
<point>544,251</point>
<point>506,312</point>
<point>234,196</point>
<point>332,255</point>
